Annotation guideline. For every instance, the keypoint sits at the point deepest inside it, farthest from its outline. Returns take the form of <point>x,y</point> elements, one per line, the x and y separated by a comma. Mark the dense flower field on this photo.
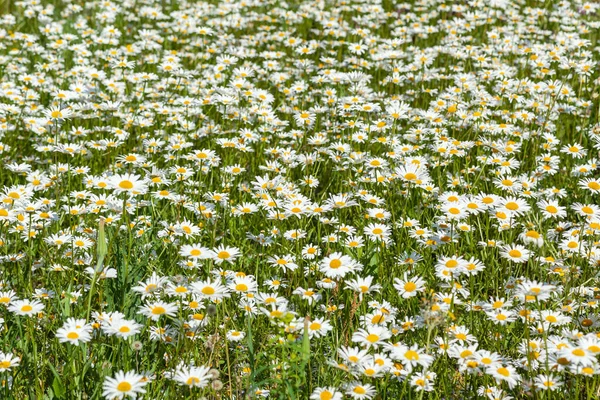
<point>341,199</point>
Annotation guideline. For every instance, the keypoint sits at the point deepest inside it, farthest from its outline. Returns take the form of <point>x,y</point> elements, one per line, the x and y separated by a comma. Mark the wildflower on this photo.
<point>130,184</point>
<point>409,287</point>
<point>326,393</point>
<point>515,253</point>
<point>547,382</point>
<point>195,251</point>
<point>235,336</point>
<point>363,285</point>
<point>505,373</point>
<point>26,307</point>
<point>373,336</point>
<point>423,381</point>
<point>412,356</point>
<point>192,376</point>
<point>74,331</point>
<point>319,327</point>
<point>8,361</point>
<point>122,328</point>
<point>225,254</point>
<point>357,390</point>
<point>211,290</point>
<point>128,384</point>
<point>154,310</point>
<point>338,265</point>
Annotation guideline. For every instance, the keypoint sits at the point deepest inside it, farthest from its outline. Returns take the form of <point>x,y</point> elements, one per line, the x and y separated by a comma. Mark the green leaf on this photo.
<point>306,341</point>
<point>57,386</point>
<point>101,246</point>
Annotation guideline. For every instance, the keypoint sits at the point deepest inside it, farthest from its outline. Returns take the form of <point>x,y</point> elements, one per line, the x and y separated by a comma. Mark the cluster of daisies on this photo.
<point>321,199</point>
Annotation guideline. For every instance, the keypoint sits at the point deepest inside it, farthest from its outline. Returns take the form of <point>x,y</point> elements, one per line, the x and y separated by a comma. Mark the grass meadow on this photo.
<point>324,200</point>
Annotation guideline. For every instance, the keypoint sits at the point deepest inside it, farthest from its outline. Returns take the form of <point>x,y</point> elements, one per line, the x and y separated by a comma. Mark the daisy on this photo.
<point>192,376</point>
<point>371,369</point>
<point>338,265</point>
<point>514,206</point>
<point>574,150</point>
<point>307,294</point>
<point>130,183</point>
<point>310,251</point>
<point>515,253</point>
<point>225,254</point>
<point>533,237</point>
<point>423,381</point>
<point>82,243</point>
<point>6,297</point>
<point>352,355</point>
<point>547,382</point>
<point>590,343</point>
<point>326,393</point>
<point>590,211</point>
<point>377,232</point>
<point>354,242</point>
<point>210,290</point>
<point>531,291</point>
<point>505,373</point>
<point>155,310</point>
<point>579,356</point>
<point>186,228</point>
<point>373,336</point>
<point>448,268</point>
<point>132,158</point>
<point>122,328</point>
<point>235,336</point>
<point>284,262</point>
<point>412,356</point>
<point>26,307</point>
<point>593,185</point>
<point>150,286</point>
<point>501,316</point>
<point>8,361</point>
<point>473,266</point>
<point>360,391</point>
<point>123,384</point>
<point>318,327</point>
<point>245,285</point>
<point>341,201</point>
<point>305,118</point>
<point>74,331</point>
<point>363,285</point>
<point>455,211</point>
<point>409,286</point>
<point>195,251</point>
<point>488,359</point>
<point>58,114</point>
<point>586,370</point>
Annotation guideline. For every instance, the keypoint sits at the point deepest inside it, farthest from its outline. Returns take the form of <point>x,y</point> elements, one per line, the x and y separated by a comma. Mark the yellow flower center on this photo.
<point>126,185</point>
<point>158,310</point>
<point>124,387</point>
<point>72,335</point>
<point>514,253</point>
<point>223,255</point>
<point>192,381</point>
